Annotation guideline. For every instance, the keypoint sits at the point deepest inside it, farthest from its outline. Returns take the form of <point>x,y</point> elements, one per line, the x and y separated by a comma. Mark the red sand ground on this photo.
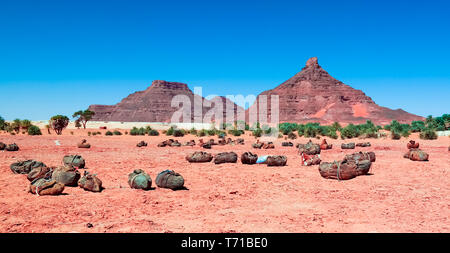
<point>400,196</point>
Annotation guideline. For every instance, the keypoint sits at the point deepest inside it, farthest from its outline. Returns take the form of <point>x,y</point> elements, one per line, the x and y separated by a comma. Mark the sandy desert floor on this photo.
<point>399,196</point>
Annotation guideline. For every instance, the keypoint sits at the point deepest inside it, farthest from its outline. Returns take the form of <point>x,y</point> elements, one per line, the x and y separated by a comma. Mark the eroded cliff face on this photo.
<point>313,95</point>
<point>155,105</point>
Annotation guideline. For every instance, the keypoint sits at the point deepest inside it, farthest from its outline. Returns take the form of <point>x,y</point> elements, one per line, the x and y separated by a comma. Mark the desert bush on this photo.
<point>193,131</point>
<point>25,124</point>
<point>89,133</point>
<point>257,132</point>
<point>137,131</point>
<point>428,134</point>
<point>201,133</point>
<point>117,132</point>
<point>109,133</point>
<point>236,132</point>
<point>417,126</point>
<point>178,133</point>
<point>58,123</point>
<point>153,132</point>
<point>350,131</point>
<point>83,117</point>
<point>71,132</point>
<point>34,130</point>
<point>170,131</point>
<point>395,135</point>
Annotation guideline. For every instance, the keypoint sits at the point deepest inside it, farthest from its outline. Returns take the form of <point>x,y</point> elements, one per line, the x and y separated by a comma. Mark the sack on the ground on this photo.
<point>348,145</point>
<point>309,160</point>
<point>141,144</point>
<point>24,167</point>
<point>257,145</point>
<point>309,148</point>
<point>90,182</point>
<point>139,180</point>
<point>363,144</point>
<point>226,157</point>
<point>74,160</point>
<point>416,155</point>
<point>2,146</point>
<point>412,144</point>
<point>190,143</point>
<point>170,179</point>
<point>40,172</point>
<point>199,157</point>
<point>240,141</point>
<point>67,175</point>
<point>175,144</point>
<point>287,144</point>
<point>344,170</point>
<point>43,186</point>
<point>324,145</point>
<point>12,147</point>
<point>84,144</point>
<point>249,158</point>
<point>361,156</point>
<point>278,160</point>
<point>268,145</point>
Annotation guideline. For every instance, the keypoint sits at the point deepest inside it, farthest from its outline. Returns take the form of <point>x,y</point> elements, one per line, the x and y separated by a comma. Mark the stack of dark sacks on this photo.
<point>225,157</point>
<point>170,179</point>
<point>190,143</point>
<point>12,147</point>
<point>249,158</point>
<point>83,144</point>
<point>414,153</point>
<point>170,143</point>
<point>348,145</point>
<point>139,180</point>
<point>199,157</point>
<point>287,144</point>
<point>141,144</point>
<point>363,144</point>
<point>309,148</point>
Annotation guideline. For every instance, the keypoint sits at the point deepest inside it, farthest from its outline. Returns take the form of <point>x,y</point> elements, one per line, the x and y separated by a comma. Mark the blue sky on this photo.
<point>57,57</point>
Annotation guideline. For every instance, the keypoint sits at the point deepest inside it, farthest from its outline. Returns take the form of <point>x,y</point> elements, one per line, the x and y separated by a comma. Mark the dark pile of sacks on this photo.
<point>46,180</point>
<point>9,147</point>
<point>351,166</point>
<point>232,157</point>
<point>414,153</point>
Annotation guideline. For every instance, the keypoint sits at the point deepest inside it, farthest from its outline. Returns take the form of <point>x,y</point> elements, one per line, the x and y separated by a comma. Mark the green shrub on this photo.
<point>2,123</point>
<point>257,132</point>
<point>153,132</point>
<point>170,131</point>
<point>117,132</point>
<point>417,126</point>
<point>34,130</point>
<point>193,131</point>
<point>89,133</point>
<point>201,133</point>
<point>428,134</point>
<point>395,135</point>
<point>236,132</point>
<point>178,133</point>
<point>109,133</point>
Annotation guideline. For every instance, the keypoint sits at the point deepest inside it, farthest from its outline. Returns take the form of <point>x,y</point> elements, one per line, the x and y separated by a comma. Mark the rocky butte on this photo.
<point>155,105</point>
<point>313,95</point>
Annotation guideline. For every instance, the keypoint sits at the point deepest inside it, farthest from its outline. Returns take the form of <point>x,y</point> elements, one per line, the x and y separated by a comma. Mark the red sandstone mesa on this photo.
<point>313,95</point>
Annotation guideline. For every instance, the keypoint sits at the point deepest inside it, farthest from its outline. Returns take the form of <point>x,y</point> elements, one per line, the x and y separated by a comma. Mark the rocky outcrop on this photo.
<point>313,95</point>
<point>155,105</point>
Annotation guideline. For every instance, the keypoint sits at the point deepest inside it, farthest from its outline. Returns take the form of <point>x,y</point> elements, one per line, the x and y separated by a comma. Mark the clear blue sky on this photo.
<point>57,57</point>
